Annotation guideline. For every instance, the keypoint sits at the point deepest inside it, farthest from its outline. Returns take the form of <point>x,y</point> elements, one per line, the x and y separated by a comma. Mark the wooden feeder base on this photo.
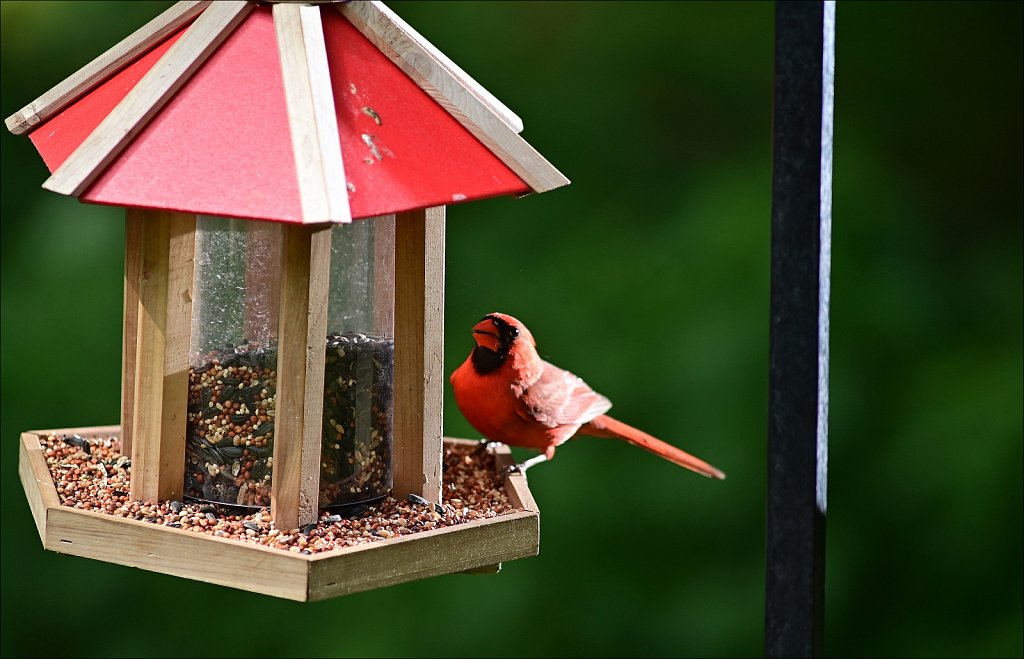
<point>476,546</point>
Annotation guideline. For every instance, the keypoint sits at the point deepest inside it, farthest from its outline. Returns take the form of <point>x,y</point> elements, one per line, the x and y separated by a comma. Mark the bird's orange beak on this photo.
<point>485,333</point>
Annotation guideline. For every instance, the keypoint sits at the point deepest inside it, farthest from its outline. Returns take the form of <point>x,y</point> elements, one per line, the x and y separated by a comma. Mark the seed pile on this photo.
<point>91,473</point>
<point>230,427</point>
<point>355,453</point>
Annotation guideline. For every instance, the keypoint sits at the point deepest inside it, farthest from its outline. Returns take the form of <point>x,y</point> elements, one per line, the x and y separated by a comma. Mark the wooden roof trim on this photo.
<point>132,114</point>
<point>312,117</point>
<point>420,61</point>
<point>104,66</point>
<point>510,118</point>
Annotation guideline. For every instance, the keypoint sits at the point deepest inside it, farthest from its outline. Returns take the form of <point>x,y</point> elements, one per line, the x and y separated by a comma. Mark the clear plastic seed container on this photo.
<point>355,454</point>
<point>233,362</point>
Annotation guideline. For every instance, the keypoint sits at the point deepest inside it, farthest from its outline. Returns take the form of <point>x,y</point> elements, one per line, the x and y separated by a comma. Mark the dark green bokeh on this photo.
<point>648,276</point>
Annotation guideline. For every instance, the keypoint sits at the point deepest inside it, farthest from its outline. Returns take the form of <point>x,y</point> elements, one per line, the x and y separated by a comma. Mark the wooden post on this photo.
<point>298,419</point>
<point>798,353</point>
<point>419,351</point>
<point>129,331</point>
<point>383,274</point>
<point>166,267</point>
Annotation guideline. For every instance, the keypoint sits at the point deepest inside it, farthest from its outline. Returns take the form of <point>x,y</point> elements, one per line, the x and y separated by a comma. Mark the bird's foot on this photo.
<point>522,466</point>
<point>485,446</point>
<point>508,470</point>
<point>512,469</point>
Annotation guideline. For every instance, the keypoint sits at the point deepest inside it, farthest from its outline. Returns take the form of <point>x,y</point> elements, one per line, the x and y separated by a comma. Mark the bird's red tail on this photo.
<point>605,426</point>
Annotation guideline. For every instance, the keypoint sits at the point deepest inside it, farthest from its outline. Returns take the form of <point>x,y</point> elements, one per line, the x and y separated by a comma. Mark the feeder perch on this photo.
<point>285,169</point>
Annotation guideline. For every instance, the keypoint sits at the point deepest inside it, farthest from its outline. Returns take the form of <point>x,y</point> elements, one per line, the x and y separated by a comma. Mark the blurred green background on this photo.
<point>648,277</point>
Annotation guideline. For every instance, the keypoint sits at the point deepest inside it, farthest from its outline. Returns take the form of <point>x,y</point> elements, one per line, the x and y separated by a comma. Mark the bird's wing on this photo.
<point>560,398</point>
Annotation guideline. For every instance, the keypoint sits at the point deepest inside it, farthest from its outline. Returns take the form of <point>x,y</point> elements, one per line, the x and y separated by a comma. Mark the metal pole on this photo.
<point>798,360</point>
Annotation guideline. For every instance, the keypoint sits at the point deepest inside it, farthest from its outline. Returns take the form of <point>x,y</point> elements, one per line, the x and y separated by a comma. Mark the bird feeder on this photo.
<point>285,169</point>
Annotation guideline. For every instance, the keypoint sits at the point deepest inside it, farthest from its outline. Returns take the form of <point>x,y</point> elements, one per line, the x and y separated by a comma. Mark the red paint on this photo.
<point>426,157</point>
<point>60,135</point>
<point>222,145</point>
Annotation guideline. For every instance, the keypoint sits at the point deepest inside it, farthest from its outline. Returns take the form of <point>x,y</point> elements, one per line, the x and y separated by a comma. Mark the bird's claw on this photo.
<point>486,446</point>
<point>508,470</point>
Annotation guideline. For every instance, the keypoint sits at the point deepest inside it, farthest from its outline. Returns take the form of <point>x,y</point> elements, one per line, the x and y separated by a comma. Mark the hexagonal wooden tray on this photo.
<point>477,546</point>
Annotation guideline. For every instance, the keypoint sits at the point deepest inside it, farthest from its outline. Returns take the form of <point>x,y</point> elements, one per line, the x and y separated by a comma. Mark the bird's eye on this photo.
<point>513,332</point>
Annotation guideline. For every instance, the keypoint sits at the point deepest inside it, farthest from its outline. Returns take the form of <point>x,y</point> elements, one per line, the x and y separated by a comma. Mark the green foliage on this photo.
<point>648,277</point>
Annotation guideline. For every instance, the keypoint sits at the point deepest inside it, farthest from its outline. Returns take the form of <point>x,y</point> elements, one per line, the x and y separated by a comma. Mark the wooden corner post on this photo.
<point>298,420</point>
<point>162,266</point>
<point>419,352</point>
<point>133,223</point>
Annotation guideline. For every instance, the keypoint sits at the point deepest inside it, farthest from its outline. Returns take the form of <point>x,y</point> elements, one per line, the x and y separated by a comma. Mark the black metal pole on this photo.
<point>798,360</point>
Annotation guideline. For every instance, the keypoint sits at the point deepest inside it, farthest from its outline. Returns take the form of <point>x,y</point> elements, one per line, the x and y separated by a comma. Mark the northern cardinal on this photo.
<point>511,395</point>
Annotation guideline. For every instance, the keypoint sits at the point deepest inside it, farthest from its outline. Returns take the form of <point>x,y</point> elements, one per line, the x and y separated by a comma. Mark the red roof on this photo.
<point>222,144</point>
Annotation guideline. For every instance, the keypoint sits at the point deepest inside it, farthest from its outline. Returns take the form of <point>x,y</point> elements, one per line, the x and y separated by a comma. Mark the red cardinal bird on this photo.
<point>511,395</point>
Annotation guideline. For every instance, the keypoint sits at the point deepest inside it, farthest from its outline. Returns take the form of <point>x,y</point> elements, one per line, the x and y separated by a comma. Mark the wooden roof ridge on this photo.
<point>474,107</point>
<point>110,62</point>
<point>312,117</point>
